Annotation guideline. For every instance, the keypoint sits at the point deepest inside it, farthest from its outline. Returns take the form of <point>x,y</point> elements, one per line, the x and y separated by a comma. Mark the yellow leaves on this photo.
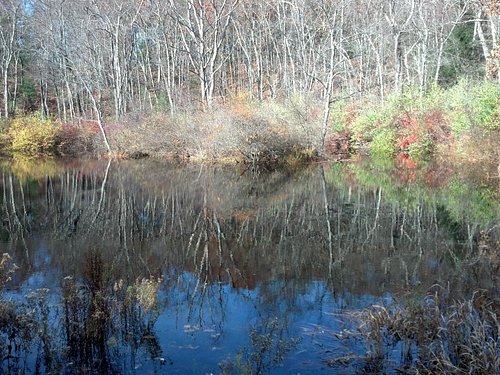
<point>33,135</point>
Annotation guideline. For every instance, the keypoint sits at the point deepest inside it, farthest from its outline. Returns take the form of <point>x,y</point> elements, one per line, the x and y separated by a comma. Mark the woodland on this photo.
<point>255,80</point>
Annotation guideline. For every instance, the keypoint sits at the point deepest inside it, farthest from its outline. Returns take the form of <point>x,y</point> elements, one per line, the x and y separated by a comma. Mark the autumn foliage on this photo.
<point>36,136</point>
<point>33,135</point>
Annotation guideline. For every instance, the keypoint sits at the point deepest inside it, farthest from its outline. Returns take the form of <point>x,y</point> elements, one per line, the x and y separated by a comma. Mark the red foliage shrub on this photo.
<point>437,126</point>
<point>409,132</point>
<point>79,138</point>
<point>406,121</point>
<point>339,144</point>
<point>406,142</point>
<point>405,161</point>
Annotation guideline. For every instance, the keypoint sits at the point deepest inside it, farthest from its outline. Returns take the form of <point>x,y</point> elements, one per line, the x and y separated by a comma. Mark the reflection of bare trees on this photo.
<point>229,228</point>
<point>204,230</point>
<point>269,347</point>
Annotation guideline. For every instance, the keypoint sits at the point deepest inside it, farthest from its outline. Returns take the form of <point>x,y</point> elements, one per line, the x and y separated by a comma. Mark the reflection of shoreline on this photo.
<point>146,217</point>
<point>232,251</point>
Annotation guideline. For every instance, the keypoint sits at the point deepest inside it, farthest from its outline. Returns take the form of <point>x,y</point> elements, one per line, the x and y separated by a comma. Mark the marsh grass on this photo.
<point>22,324</point>
<point>103,317</point>
<point>7,269</point>
<point>99,321</point>
<point>269,348</point>
<point>435,335</point>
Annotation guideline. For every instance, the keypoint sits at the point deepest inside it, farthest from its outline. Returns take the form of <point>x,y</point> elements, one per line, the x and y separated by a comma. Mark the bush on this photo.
<point>417,124</point>
<point>33,135</point>
<point>77,139</point>
<point>339,144</point>
<point>384,143</point>
<point>486,107</point>
<point>469,105</point>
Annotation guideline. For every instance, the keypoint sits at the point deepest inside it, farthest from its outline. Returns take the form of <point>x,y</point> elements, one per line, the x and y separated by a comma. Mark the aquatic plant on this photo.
<point>432,335</point>
<point>97,322</point>
<point>269,348</point>
<point>22,324</point>
<point>7,269</point>
<point>103,316</point>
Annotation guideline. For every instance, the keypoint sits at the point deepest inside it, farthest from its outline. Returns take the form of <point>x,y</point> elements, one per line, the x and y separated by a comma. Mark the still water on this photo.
<point>147,267</point>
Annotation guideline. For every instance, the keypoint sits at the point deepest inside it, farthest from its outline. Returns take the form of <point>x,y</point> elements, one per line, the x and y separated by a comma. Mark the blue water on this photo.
<point>261,283</point>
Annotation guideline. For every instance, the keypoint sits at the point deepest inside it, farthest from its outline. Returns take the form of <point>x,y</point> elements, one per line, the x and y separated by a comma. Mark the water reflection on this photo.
<point>148,267</point>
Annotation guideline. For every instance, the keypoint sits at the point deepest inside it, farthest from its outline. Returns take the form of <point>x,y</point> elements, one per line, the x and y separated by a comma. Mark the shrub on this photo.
<point>384,143</point>
<point>487,105</point>
<point>339,144</point>
<point>364,124</point>
<point>74,139</point>
<point>423,148</point>
<point>342,116</point>
<point>418,137</point>
<point>417,124</point>
<point>33,135</point>
<point>479,105</point>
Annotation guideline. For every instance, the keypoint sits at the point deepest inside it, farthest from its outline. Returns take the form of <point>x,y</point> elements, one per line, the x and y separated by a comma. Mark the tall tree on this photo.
<point>203,29</point>
<point>10,13</point>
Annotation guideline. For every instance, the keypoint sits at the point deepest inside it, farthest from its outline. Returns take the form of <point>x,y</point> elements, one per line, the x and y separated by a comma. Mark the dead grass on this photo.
<point>434,336</point>
<point>7,269</point>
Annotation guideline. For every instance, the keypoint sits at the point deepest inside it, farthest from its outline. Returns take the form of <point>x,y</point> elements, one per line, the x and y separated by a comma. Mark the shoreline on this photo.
<point>461,122</point>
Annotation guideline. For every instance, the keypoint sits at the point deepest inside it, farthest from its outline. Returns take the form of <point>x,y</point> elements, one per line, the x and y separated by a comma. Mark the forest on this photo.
<point>258,79</point>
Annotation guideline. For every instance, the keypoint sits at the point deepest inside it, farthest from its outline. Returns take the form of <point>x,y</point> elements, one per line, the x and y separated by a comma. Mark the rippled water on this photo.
<point>149,267</point>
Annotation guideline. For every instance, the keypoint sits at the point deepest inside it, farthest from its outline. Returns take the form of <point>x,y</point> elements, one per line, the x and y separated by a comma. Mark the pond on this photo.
<point>150,267</point>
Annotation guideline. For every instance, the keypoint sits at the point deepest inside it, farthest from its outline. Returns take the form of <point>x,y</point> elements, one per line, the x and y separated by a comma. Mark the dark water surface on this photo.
<point>148,267</point>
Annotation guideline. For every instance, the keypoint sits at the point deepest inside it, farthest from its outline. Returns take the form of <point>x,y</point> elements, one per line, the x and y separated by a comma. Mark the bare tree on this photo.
<point>203,25</point>
<point>10,12</point>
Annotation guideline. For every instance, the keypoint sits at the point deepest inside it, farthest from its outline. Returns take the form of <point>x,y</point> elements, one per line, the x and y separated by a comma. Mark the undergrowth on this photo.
<point>273,133</point>
<point>419,125</point>
<point>36,136</point>
<point>435,335</point>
